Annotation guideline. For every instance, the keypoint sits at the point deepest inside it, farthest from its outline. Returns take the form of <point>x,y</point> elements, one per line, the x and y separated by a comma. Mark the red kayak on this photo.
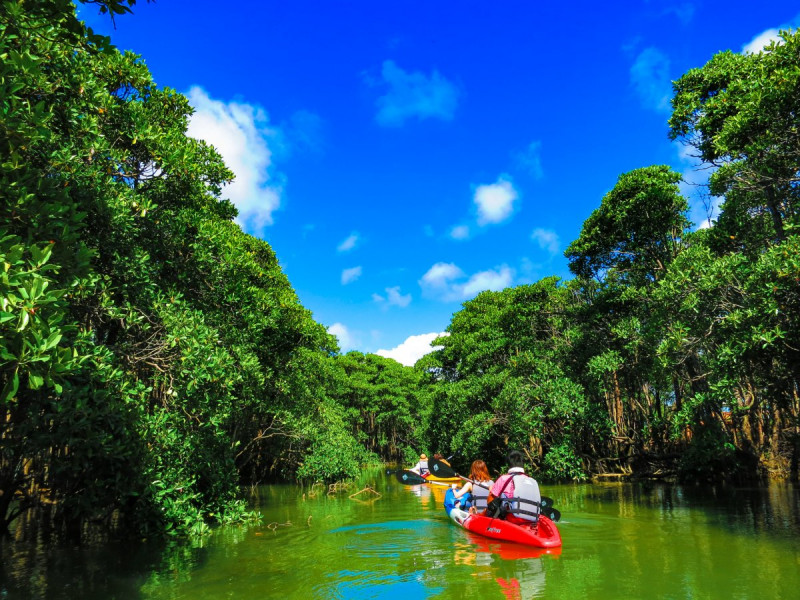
<point>542,535</point>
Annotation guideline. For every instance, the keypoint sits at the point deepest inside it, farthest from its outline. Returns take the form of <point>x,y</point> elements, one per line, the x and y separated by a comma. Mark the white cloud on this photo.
<point>444,281</point>
<point>346,339</point>
<point>460,232</point>
<point>650,78</point>
<point>393,297</point>
<point>494,280</point>
<point>350,275</point>
<point>531,159</point>
<point>547,239</point>
<point>414,94</point>
<point>438,277</point>
<point>495,202</point>
<point>414,348</point>
<point>706,224</point>
<point>704,209</point>
<point>761,41</point>
<point>241,134</point>
<point>349,243</point>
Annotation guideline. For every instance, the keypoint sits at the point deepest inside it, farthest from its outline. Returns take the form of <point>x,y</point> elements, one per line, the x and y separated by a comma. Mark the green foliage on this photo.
<point>31,319</point>
<point>637,230</point>
<point>382,403</point>
<point>337,457</point>
<point>709,458</point>
<point>497,382</point>
<point>666,342</point>
<point>741,113</point>
<point>561,463</point>
<point>153,356</point>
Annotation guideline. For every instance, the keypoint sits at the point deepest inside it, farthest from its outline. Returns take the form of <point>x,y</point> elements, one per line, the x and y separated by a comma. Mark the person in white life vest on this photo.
<point>421,468</point>
<point>478,488</point>
<point>518,492</point>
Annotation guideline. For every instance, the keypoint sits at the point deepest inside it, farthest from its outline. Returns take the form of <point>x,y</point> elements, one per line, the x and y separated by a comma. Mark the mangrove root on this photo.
<point>339,486</point>
<point>273,526</point>
<point>368,489</point>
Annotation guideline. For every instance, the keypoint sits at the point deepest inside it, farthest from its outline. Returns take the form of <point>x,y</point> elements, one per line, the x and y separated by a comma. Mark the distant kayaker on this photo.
<point>518,493</point>
<point>441,458</point>
<point>479,474</point>
<point>421,468</point>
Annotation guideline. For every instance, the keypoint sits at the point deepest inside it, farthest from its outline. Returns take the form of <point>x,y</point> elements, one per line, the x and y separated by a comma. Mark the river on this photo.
<point>619,541</point>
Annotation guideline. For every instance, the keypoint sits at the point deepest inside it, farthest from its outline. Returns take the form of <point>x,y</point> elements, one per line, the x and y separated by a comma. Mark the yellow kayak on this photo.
<point>432,477</point>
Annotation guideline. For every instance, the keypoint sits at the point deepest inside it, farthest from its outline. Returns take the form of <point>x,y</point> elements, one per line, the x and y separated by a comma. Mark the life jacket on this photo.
<point>480,494</point>
<point>527,501</point>
<point>423,467</point>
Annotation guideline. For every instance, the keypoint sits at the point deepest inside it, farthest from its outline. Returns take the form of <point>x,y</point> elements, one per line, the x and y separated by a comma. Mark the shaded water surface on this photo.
<point>620,541</point>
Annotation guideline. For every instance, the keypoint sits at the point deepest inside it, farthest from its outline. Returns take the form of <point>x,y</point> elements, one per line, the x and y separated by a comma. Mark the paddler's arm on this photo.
<point>465,488</point>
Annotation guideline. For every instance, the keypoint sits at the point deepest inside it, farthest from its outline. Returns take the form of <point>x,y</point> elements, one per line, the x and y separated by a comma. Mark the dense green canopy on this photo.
<point>154,358</point>
<point>153,355</point>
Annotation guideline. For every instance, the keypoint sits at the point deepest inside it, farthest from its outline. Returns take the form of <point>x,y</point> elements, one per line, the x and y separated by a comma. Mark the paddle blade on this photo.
<point>409,478</point>
<point>440,469</point>
<point>552,513</point>
<point>547,502</point>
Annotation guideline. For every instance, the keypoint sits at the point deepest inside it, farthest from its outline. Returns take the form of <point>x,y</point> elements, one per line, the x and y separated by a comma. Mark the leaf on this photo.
<point>24,319</point>
<point>52,340</point>
<point>35,381</point>
<point>10,388</point>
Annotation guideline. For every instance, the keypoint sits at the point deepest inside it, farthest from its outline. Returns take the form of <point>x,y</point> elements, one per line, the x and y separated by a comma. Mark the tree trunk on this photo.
<point>775,213</point>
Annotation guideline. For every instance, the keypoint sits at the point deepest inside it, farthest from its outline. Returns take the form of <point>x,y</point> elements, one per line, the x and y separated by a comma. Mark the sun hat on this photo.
<point>423,457</point>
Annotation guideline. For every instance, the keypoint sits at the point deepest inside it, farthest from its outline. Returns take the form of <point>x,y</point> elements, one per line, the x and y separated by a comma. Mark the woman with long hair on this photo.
<point>478,487</point>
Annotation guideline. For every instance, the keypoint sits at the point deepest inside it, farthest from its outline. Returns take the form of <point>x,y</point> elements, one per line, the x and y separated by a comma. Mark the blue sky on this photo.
<point>402,157</point>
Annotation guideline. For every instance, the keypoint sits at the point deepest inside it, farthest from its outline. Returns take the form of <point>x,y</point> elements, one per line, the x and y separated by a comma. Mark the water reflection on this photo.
<point>773,510</point>
<point>393,557</point>
<point>421,491</point>
<point>517,570</point>
<point>620,540</point>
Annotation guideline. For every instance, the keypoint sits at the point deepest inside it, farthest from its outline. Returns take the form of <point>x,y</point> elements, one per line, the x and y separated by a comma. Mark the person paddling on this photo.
<point>519,500</point>
<point>441,458</point>
<point>421,468</point>
<point>478,487</point>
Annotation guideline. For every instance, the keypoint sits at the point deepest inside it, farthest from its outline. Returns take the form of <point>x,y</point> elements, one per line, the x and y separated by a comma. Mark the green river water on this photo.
<point>619,541</point>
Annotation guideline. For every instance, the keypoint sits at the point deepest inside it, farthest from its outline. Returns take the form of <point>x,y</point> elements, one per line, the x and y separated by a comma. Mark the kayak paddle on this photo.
<point>441,469</point>
<point>411,478</point>
<point>552,513</point>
